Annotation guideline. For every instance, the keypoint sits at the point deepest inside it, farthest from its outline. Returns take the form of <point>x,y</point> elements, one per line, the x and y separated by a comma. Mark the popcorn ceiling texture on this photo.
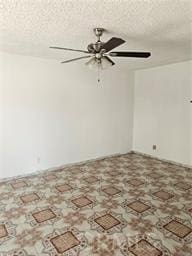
<point>160,26</point>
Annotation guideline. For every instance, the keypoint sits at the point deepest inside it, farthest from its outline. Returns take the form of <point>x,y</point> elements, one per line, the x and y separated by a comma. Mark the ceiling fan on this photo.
<point>100,52</point>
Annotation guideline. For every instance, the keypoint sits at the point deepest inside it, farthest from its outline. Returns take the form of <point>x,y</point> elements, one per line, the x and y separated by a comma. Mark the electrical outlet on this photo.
<point>154,147</point>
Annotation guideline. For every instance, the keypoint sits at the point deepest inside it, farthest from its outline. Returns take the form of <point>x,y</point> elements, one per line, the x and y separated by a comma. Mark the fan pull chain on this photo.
<point>98,74</point>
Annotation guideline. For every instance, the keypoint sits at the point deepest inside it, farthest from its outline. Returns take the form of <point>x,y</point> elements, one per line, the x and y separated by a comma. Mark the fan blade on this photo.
<point>112,43</point>
<point>67,49</point>
<point>79,58</point>
<point>113,63</point>
<point>130,54</point>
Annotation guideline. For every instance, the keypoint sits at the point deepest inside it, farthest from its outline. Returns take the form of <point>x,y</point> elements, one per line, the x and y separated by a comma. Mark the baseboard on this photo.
<point>61,167</point>
<point>92,160</point>
<point>161,159</point>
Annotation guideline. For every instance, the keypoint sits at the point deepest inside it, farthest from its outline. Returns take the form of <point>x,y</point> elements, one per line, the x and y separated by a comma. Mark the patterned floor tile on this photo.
<point>143,248</point>
<point>29,198</point>
<point>44,215</point>
<point>7,231</point>
<point>18,184</point>
<point>63,187</point>
<point>163,195</point>
<point>135,182</point>
<point>91,179</point>
<point>64,242</point>
<point>144,245</point>
<point>3,231</point>
<point>130,205</point>
<point>183,185</point>
<point>138,206</point>
<point>107,221</point>
<point>178,229</point>
<point>50,177</point>
<point>111,191</point>
<point>81,201</point>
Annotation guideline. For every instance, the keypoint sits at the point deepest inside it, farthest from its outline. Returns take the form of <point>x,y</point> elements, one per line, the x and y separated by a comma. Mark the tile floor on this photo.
<point>123,205</point>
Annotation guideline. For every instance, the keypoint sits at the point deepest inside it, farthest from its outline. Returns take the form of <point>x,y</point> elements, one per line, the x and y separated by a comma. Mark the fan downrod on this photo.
<point>97,46</point>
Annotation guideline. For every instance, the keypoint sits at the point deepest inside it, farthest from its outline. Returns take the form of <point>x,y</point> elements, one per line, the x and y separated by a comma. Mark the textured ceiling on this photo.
<point>29,27</point>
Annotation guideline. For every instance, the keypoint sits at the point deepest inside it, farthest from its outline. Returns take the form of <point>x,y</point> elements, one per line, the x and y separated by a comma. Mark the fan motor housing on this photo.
<point>95,47</point>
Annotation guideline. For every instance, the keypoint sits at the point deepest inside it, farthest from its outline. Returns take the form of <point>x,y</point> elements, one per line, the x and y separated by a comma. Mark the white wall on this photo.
<point>54,114</point>
<point>162,112</point>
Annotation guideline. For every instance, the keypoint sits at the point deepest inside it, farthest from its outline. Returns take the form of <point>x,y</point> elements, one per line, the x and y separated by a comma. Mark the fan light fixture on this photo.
<point>96,64</point>
<point>92,63</point>
<point>99,64</point>
<point>105,63</point>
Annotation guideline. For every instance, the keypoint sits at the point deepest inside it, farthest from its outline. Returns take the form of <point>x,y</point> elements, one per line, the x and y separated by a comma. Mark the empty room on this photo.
<point>95,127</point>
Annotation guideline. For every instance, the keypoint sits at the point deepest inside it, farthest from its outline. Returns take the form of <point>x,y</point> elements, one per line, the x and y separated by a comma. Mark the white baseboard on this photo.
<point>92,160</point>
<point>61,167</point>
<point>162,159</point>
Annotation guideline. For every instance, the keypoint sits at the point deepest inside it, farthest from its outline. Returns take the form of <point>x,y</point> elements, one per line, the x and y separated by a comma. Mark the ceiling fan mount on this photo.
<point>98,32</point>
